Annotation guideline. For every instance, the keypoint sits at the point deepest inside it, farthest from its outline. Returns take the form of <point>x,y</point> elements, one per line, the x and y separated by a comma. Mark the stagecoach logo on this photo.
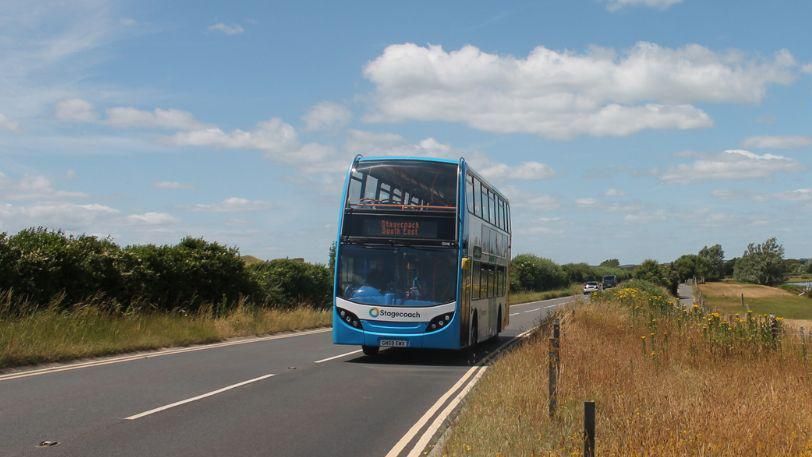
<point>375,312</point>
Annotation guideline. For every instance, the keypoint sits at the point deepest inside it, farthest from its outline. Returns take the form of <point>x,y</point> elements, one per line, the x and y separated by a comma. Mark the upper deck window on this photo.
<point>405,185</point>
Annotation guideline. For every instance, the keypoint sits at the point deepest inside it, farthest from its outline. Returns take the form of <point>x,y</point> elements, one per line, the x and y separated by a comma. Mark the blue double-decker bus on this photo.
<point>422,256</point>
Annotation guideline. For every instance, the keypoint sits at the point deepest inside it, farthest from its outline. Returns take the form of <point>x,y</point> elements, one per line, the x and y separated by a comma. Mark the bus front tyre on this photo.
<point>370,350</point>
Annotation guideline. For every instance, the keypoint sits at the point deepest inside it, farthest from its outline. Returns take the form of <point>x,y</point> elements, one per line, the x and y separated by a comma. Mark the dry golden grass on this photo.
<point>726,297</point>
<point>677,395</point>
<point>52,335</point>
<point>735,290</point>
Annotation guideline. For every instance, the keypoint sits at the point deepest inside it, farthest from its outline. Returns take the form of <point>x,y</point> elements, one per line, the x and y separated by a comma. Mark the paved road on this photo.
<point>686,295</point>
<point>273,396</point>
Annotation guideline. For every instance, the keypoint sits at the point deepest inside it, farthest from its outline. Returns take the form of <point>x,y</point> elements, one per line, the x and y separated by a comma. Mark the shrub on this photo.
<point>288,283</point>
<point>530,272</point>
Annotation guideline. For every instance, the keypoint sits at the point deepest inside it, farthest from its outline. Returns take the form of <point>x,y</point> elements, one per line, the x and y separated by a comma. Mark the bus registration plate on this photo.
<point>393,343</point>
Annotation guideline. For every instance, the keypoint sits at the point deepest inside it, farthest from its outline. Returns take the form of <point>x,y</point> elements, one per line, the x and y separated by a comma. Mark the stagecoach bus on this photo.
<point>422,255</point>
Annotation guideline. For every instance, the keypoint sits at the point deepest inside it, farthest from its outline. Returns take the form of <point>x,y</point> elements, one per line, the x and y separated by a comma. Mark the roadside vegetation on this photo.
<point>87,330</point>
<point>516,298</point>
<point>63,297</point>
<point>727,298</point>
<point>667,381</point>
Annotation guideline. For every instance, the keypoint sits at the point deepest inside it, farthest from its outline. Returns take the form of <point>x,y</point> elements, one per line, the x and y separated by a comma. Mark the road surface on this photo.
<point>287,395</point>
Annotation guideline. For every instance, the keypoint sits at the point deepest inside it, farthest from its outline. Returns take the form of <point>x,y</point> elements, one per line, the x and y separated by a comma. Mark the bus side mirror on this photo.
<point>466,263</point>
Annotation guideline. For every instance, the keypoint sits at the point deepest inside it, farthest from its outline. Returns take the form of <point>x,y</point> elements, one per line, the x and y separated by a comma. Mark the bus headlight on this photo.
<point>439,322</point>
<point>349,318</point>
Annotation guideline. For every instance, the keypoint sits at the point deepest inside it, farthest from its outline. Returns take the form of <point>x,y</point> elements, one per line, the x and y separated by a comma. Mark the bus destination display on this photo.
<point>399,228</point>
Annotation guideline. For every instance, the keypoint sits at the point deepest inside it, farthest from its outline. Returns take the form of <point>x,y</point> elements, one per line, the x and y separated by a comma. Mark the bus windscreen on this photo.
<point>397,276</point>
<point>403,185</point>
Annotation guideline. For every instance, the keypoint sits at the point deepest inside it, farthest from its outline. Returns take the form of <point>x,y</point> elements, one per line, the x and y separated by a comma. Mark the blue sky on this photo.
<point>625,129</point>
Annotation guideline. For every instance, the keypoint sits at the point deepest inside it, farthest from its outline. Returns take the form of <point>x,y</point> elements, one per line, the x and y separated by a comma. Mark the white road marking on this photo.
<point>337,356</point>
<point>514,314</point>
<point>401,444</point>
<point>531,310</point>
<point>412,432</point>
<point>199,397</point>
<point>541,301</point>
<point>149,355</point>
<point>438,421</point>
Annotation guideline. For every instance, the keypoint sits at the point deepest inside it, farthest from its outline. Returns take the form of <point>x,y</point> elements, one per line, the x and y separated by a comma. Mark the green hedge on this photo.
<point>41,267</point>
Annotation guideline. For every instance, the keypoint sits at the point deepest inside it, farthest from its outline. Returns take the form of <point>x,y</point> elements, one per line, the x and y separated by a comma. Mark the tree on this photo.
<point>686,266</point>
<point>711,263</point>
<point>614,263</point>
<point>331,262</point>
<point>761,263</point>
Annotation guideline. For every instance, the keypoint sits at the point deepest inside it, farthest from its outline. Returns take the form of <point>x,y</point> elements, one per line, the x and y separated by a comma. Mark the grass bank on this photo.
<point>726,297</point>
<point>51,335</point>
<point>667,382</point>
<point>527,296</point>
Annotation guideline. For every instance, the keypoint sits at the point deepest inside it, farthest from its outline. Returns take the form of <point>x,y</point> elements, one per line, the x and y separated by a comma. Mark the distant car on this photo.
<point>591,286</point>
<point>609,281</point>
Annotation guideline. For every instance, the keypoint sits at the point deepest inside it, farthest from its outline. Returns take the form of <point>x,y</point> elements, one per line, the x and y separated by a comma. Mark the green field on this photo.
<point>726,297</point>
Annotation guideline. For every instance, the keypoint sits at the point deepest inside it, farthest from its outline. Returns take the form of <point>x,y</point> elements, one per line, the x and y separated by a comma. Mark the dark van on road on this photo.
<point>609,281</point>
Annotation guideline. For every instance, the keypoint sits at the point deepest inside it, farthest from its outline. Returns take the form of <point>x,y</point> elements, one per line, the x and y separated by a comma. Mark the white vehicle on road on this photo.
<point>591,286</point>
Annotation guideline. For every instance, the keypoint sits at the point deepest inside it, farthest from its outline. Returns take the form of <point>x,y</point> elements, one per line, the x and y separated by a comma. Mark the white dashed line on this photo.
<point>337,356</point>
<point>199,397</point>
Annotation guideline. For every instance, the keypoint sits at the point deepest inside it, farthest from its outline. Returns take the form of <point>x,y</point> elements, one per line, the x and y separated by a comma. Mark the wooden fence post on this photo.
<point>552,373</point>
<point>589,429</point>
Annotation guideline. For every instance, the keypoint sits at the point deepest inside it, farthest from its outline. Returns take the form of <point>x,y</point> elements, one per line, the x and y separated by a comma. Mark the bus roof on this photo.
<point>417,158</point>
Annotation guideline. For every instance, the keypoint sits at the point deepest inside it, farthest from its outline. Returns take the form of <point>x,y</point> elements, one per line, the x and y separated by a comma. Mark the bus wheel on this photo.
<point>370,350</point>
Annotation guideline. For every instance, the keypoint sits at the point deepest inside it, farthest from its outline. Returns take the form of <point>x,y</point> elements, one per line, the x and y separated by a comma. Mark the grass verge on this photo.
<point>525,296</point>
<point>665,384</point>
<point>52,336</point>
<point>726,297</point>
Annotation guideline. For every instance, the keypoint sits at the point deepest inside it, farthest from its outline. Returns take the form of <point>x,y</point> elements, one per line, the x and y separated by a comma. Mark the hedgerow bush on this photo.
<point>41,267</point>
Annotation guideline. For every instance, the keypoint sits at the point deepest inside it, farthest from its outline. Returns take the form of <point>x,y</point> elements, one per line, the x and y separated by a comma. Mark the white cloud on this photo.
<point>271,136</point>
<point>777,142</point>
<point>646,217</point>
<point>232,204</point>
<point>33,187</point>
<point>48,51</point>
<point>8,124</point>
<point>529,200</point>
<point>151,218</point>
<point>807,68</point>
<point>561,94</point>
<point>170,119</point>
<point>171,185</point>
<point>68,216</point>
<point>731,164</point>
<point>228,29</point>
<point>327,116</point>
<point>797,195</point>
<point>586,202</point>
<point>128,22</point>
<point>75,110</point>
<point>523,171</point>
<point>376,143</point>
<point>614,5</point>
<point>612,192</point>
